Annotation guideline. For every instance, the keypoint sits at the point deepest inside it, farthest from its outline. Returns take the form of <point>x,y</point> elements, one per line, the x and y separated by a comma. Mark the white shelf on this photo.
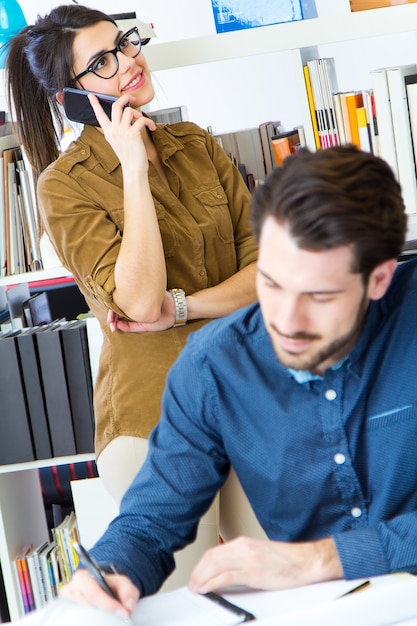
<point>29,277</point>
<point>60,460</point>
<point>22,518</point>
<point>280,37</point>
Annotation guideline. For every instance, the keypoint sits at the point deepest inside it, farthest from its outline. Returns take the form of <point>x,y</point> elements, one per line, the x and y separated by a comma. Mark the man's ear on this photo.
<point>60,97</point>
<point>380,279</point>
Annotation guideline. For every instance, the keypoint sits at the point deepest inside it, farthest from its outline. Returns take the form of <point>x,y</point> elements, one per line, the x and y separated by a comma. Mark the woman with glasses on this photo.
<point>151,220</point>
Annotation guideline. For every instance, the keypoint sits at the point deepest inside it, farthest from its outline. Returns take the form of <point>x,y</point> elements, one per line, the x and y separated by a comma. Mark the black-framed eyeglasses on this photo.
<point>107,64</point>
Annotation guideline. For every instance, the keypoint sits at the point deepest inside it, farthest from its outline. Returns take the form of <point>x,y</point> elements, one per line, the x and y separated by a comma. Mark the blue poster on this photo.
<point>239,14</point>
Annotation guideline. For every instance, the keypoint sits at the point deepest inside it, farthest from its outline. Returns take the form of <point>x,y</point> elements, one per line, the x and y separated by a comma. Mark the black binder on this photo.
<point>80,387</point>
<point>48,339</point>
<point>15,433</point>
<point>34,392</point>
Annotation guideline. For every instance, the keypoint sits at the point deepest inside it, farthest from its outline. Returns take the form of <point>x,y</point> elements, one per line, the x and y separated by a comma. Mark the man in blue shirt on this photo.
<point>310,396</point>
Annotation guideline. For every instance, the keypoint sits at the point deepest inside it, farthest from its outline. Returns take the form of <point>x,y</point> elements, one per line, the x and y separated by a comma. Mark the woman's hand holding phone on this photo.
<point>123,131</point>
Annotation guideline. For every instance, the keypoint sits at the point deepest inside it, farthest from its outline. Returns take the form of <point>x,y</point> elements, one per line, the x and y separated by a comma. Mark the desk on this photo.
<point>390,600</point>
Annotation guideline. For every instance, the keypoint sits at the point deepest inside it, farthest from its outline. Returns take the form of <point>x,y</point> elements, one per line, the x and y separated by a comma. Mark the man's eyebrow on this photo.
<point>96,55</point>
<point>317,292</point>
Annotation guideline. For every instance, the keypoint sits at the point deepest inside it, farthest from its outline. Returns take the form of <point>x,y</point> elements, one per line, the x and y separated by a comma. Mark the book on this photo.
<point>323,85</point>
<point>80,386</point>
<point>54,382</point>
<point>15,431</point>
<point>285,144</point>
<point>45,563</point>
<point>353,102</point>
<point>267,130</point>
<point>337,105</point>
<point>311,106</point>
<point>9,155</point>
<point>411,92</point>
<point>36,576</point>
<point>364,5</point>
<point>387,149</point>
<point>244,148</point>
<point>402,133</point>
<point>29,361</point>
<point>29,217</point>
<point>328,80</point>
<point>363,129</point>
<point>369,104</point>
<point>65,534</point>
<point>22,570</point>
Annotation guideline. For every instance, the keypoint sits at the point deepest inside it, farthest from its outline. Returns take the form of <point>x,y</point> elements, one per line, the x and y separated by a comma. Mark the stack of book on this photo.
<point>381,119</point>
<point>46,391</point>
<point>19,245</point>
<point>320,79</point>
<point>42,570</point>
<point>253,150</point>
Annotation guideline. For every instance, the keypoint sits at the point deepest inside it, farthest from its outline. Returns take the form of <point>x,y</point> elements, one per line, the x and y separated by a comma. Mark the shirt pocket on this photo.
<point>166,227</point>
<point>216,204</point>
<point>392,417</point>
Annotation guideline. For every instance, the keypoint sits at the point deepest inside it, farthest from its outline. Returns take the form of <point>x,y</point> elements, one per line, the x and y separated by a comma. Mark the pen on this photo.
<point>215,597</point>
<point>96,572</point>
<point>94,569</point>
<point>364,585</point>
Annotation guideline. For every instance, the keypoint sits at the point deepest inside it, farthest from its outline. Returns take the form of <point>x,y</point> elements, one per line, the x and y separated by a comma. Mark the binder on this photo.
<point>402,133</point>
<point>29,361</point>
<point>54,382</point>
<point>15,432</point>
<point>80,387</point>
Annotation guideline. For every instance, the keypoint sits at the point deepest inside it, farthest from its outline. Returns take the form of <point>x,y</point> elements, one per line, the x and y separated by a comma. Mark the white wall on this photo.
<point>241,93</point>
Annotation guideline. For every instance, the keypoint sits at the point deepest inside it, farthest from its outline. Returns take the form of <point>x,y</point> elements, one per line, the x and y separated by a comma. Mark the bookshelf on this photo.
<point>22,510</point>
<point>340,35</point>
<point>22,518</point>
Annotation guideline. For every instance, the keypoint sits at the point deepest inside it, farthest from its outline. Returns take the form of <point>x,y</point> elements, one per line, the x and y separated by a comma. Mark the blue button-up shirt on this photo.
<point>317,457</point>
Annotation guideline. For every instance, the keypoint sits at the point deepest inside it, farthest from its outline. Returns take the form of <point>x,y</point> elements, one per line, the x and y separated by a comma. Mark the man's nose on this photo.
<point>290,317</point>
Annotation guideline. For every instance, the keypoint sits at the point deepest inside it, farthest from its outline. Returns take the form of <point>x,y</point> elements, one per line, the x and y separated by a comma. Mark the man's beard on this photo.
<point>312,361</point>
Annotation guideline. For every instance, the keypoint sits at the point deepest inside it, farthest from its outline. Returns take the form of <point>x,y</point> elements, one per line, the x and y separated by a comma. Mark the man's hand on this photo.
<point>83,589</point>
<point>263,564</point>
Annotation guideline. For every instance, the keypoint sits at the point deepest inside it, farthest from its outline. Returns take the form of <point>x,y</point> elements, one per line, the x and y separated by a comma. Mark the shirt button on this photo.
<point>202,273</point>
<point>356,511</point>
<point>330,394</point>
<point>339,458</point>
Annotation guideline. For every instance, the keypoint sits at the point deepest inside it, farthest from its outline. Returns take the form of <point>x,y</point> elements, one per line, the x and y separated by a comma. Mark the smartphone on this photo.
<point>78,108</point>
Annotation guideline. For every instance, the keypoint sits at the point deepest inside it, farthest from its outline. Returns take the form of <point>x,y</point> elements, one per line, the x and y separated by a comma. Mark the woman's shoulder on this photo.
<point>77,151</point>
<point>182,129</point>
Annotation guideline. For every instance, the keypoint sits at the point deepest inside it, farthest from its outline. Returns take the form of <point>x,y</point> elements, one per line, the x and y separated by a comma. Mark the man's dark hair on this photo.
<point>336,197</point>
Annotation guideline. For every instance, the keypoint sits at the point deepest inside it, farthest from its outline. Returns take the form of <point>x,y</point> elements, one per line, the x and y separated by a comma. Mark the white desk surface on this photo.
<point>389,601</point>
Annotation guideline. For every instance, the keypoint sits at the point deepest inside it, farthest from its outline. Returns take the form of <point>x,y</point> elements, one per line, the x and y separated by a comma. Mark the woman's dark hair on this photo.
<point>336,197</point>
<point>39,63</point>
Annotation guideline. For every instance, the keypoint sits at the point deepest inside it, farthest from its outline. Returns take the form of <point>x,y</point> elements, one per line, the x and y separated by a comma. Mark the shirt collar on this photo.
<point>305,376</point>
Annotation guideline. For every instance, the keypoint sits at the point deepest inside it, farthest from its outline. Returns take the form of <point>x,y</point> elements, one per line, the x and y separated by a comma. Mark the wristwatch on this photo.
<point>181,310</point>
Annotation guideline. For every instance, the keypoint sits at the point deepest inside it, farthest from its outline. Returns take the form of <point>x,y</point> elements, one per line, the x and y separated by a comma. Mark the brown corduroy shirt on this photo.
<point>204,221</point>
